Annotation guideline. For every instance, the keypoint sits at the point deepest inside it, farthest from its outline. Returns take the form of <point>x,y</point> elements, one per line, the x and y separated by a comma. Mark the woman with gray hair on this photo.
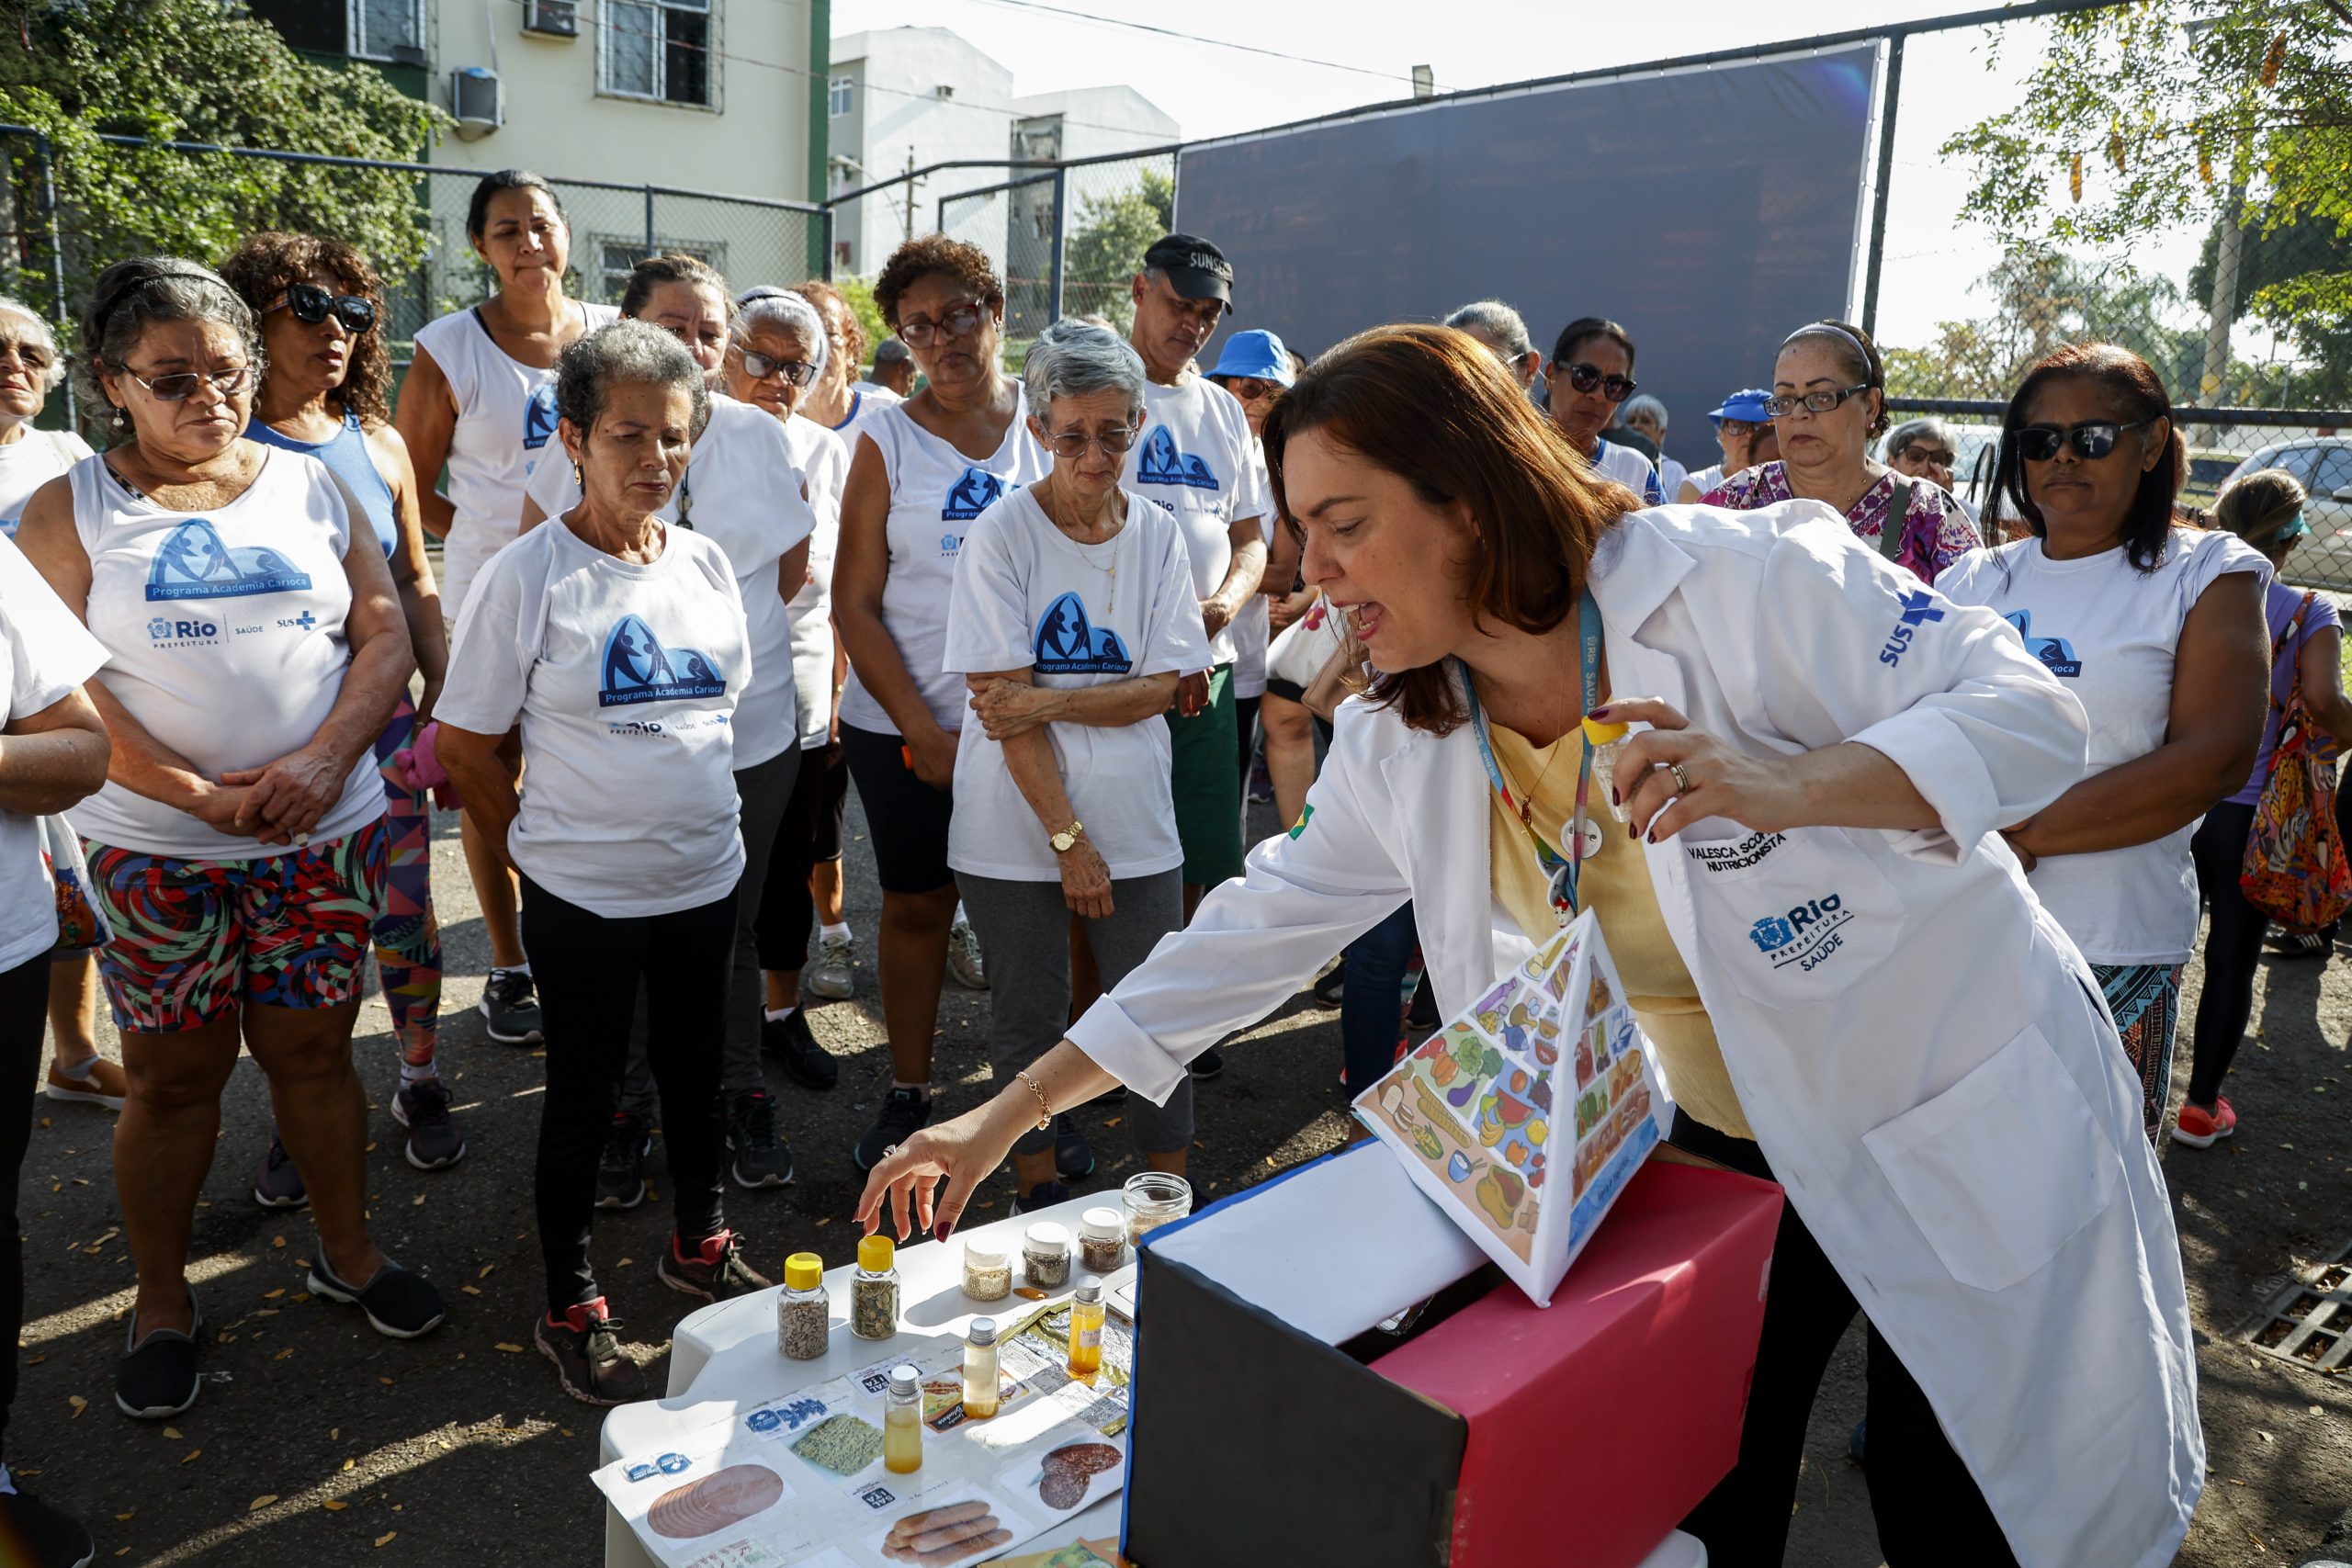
<point>1072,617</point>
<point>619,643</point>
<point>255,648</point>
<point>1504,333</point>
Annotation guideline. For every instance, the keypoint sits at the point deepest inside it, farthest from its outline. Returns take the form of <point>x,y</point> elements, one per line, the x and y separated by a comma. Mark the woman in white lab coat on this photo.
<point>1844,974</point>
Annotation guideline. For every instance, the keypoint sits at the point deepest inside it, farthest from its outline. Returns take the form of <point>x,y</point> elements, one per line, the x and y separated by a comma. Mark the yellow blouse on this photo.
<point>1615,885</point>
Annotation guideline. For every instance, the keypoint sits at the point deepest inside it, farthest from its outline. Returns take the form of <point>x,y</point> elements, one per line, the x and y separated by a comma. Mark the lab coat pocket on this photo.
<point>1796,918</point>
<point>2001,1169</point>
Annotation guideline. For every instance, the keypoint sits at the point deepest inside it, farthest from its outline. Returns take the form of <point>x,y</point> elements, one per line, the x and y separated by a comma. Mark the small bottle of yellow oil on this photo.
<point>902,1422</point>
<point>980,1364</point>
<point>1086,1328</point>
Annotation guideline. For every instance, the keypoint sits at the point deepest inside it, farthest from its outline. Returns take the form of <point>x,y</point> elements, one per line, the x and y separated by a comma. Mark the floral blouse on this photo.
<point>1936,531</point>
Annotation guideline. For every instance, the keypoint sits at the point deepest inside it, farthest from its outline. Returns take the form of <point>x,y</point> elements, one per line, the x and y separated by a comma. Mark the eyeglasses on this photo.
<point>1250,388</point>
<point>1588,378</point>
<point>1783,404</point>
<point>760,367</point>
<point>312,304</point>
<point>1936,457</point>
<point>180,385</point>
<point>2091,440</point>
<point>917,333</point>
<point>1074,442</point>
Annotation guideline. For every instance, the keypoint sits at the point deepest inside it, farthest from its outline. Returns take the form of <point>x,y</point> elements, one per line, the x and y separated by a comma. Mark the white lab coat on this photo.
<point>1920,1051</point>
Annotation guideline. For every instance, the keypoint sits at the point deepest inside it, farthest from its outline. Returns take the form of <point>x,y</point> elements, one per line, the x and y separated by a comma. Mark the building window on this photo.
<point>660,49</point>
<point>843,97</point>
<point>844,256</point>
<point>616,258</point>
<point>388,29</point>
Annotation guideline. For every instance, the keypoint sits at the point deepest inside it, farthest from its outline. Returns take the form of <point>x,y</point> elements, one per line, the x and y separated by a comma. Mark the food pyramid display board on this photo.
<point>1525,1115</point>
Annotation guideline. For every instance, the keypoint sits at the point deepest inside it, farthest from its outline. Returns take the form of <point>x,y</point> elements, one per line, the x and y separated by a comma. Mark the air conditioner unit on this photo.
<point>475,100</point>
<point>944,90</point>
<point>551,18</point>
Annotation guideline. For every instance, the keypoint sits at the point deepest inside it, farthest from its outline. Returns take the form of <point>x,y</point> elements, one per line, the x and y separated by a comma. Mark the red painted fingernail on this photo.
<point>1601,712</point>
<point>1612,796</point>
<point>939,1232</point>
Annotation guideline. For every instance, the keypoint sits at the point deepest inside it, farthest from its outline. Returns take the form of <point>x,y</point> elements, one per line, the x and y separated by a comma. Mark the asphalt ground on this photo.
<point>316,1441</point>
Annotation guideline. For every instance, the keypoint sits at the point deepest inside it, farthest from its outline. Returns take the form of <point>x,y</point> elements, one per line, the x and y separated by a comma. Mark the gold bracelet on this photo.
<point>1044,1107</point>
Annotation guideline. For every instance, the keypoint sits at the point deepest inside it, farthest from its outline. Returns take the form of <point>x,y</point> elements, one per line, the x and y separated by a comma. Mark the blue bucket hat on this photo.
<point>1748,404</point>
<point>1257,353</point>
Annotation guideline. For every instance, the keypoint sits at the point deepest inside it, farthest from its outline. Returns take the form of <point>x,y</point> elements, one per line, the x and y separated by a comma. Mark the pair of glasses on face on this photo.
<point>1073,442</point>
<point>917,333</point>
<point>1250,388</point>
<point>180,385</point>
<point>312,304</point>
<point>1782,405</point>
<point>2091,440</point>
<point>1935,457</point>
<point>760,367</point>
<point>1587,379</point>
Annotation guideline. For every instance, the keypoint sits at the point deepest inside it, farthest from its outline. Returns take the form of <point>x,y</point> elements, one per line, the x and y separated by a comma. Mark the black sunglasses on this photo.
<point>312,304</point>
<point>2091,440</point>
<point>1587,379</point>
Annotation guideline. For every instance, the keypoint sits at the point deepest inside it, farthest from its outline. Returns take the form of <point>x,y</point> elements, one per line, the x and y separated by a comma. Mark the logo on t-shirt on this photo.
<point>2057,655</point>
<point>1069,644</point>
<point>163,631</point>
<point>539,418</point>
<point>194,563</point>
<point>9,527</point>
<point>637,668</point>
<point>1918,609</point>
<point>972,494</point>
<point>1161,464</point>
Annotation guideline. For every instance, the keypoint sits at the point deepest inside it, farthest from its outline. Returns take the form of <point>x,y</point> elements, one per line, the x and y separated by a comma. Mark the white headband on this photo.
<point>1832,328</point>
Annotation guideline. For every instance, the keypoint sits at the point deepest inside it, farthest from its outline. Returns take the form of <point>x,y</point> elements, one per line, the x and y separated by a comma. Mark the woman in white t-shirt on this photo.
<point>1592,372</point>
<point>922,470</point>
<point>2159,631</point>
<point>254,650</point>
<point>742,492</point>
<point>480,398</point>
<point>836,398</point>
<point>618,643</point>
<point>1072,617</point>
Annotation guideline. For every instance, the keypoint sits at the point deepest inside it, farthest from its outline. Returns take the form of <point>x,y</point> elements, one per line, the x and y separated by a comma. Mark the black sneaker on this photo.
<point>512,1008</point>
<point>1328,989</point>
<point>1205,1066</point>
<point>279,1185</point>
<point>44,1537</point>
<point>586,1351</point>
<point>905,1113</point>
<point>1073,1156</point>
<point>1044,1195</point>
<point>1421,1017</point>
<point>620,1169</point>
<point>715,1272</point>
<point>158,1377</point>
<point>399,1304</point>
<point>434,1141</point>
<point>756,1154</point>
<point>790,1041</point>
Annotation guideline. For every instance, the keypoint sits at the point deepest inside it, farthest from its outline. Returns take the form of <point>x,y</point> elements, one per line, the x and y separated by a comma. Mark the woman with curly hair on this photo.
<point>321,310</point>
<point>921,471</point>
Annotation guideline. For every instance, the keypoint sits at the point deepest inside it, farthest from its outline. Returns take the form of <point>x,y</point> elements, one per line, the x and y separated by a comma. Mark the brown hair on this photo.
<point>828,300</point>
<point>2257,505</point>
<point>671,267</point>
<point>967,265</point>
<point>270,263</point>
<point>1432,406</point>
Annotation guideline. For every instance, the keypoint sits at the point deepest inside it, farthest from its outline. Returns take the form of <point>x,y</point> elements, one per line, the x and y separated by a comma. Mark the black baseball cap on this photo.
<point>1197,269</point>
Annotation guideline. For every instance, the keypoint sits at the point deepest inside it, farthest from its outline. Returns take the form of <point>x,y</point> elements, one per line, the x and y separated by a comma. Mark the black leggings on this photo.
<point>24,1003</point>
<point>810,832</point>
<point>2232,948</point>
<point>1927,1506</point>
<point>589,967</point>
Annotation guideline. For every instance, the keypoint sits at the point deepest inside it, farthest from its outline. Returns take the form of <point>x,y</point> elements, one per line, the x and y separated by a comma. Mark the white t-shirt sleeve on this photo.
<point>2216,555</point>
<point>491,656</point>
<point>551,485</point>
<point>49,651</point>
<point>799,519</point>
<point>1176,639</point>
<point>987,610</point>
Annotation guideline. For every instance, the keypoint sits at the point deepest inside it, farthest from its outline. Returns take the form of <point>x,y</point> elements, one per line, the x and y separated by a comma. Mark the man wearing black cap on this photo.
<point>1195,459</point>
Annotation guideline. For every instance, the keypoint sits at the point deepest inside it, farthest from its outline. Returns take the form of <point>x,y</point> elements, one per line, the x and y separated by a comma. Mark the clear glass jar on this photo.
<point>1045,1256</point>
<point>874,1294</point>
<point>988,1272</point>
<point>803,1312</point>
<point>1101,1240</point>
<point>1152,1198</point>
<point>981,1362</point>
<point>1086,1328</point>
<point>902,1422</point>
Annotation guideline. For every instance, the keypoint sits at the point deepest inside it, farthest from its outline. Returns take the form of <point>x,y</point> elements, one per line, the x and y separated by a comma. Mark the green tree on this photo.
<point>2141,117</point>
<point>860,295</point>
<point>191,70</point>
<point>2280,265</point>
<point>2042,298</point>
<point>1107,242</point>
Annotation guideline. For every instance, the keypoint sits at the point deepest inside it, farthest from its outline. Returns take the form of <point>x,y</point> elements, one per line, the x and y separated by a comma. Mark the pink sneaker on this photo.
<point>2201,1129</point>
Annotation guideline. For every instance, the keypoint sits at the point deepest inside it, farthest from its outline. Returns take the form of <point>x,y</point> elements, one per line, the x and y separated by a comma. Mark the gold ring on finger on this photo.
<point>1681,779</point>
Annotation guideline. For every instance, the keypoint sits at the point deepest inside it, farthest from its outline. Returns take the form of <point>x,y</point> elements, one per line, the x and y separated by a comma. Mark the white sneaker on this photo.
<point>964,961</point>
<point>829,976</point>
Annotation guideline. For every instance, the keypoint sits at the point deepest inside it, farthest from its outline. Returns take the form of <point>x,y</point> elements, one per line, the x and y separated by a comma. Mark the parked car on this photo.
<point>2323,464</point>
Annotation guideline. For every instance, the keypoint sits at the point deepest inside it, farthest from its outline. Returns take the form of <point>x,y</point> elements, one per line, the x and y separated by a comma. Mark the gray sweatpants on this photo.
<point>764,787</point>
<point>1023,928</point>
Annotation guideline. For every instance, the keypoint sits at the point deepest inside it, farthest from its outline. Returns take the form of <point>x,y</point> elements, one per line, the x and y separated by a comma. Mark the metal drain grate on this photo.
<point>2310,1322</point>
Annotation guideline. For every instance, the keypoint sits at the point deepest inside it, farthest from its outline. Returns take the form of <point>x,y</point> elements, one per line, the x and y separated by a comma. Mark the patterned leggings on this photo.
<point>408,937</point>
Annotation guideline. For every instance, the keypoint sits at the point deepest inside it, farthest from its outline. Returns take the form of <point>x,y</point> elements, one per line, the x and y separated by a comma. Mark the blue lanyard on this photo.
<point>1561,869</point>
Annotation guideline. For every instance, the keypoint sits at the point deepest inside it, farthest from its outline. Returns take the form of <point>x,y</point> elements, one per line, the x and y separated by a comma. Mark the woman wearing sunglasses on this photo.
<point>323,394</point>
<point>2159,631</point>
<point>923,471</point>
<point>1828,401</point>
<point>1592,372</point>
<point>742,491</point>
<point>256,650</point>
<point>479,399</point>
<point>1072,617</point>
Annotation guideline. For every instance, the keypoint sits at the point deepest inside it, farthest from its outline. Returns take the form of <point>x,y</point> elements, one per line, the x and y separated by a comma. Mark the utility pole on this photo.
<point>911,194</point>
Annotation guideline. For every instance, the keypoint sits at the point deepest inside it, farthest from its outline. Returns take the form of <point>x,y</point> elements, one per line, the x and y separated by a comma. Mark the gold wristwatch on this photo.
<point>1067,839</point>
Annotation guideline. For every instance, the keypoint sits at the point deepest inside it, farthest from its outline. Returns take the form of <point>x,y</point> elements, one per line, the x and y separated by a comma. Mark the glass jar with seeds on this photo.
<point>874,1294</point>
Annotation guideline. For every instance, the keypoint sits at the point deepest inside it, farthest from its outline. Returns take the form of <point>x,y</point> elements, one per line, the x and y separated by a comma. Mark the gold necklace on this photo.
<point>1112,571</point>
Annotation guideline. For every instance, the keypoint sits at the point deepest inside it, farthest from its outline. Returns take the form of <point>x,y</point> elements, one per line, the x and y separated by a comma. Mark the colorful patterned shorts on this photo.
<point>195,938</point>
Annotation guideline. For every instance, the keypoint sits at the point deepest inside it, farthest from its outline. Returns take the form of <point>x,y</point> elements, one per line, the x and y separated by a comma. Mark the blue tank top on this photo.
<point>346,455</point>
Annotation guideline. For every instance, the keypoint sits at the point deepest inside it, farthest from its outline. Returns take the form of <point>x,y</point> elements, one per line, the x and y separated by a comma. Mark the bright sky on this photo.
<point>1212,91</point>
